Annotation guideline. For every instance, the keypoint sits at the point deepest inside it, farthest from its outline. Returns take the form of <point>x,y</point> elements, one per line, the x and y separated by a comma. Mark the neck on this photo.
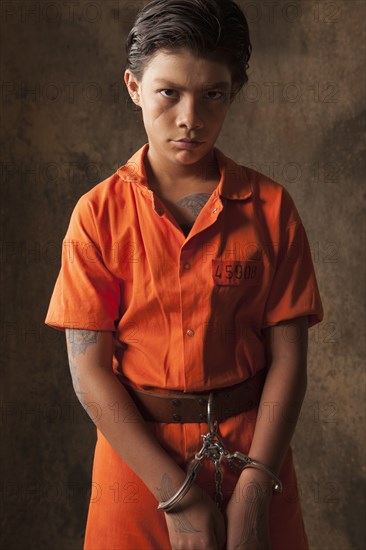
<point>166,176</point>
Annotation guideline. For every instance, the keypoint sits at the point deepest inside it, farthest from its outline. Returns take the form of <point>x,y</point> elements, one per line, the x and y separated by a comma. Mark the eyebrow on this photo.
<point>224,84</point>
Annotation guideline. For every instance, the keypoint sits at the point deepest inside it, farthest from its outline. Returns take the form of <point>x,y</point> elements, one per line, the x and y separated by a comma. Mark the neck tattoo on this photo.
<point>194,203</point>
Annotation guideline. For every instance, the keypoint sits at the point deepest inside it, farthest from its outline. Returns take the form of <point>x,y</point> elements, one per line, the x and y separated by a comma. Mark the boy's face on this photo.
<point>182,96</point>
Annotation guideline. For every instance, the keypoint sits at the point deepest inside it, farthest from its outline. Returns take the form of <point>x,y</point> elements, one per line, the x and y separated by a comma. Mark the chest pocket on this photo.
<point>237,272</point>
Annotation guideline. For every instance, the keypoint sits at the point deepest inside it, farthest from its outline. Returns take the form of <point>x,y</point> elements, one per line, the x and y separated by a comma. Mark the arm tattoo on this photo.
<point>253,516</point>
<point>195,202</point>
<point>181,522</point>
<point>81,339</point>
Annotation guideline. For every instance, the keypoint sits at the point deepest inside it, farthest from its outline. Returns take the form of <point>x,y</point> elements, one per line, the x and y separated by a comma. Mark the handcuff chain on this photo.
<point>213,449</point>
<point>218,482</point>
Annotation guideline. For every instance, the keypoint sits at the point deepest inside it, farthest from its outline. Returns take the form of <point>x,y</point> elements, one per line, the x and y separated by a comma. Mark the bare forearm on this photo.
<point>280,406</point>
<point>113,411</point>
<point>117,417</point>
<point>279,409</point>
<point>278,413</point>
<point>123,426</point>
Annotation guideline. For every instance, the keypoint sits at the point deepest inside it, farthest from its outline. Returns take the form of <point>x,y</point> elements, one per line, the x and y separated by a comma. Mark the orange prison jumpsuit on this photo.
<point>188,313</point>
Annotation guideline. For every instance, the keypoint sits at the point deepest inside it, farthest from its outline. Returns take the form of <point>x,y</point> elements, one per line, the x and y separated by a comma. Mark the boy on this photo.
<point>186,292</point>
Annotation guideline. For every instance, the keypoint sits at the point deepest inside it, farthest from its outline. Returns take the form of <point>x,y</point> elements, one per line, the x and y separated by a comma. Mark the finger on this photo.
<point>220,533</point>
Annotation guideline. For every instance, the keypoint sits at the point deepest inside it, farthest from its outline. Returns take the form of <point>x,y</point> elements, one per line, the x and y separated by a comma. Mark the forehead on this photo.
<point>184,69</point>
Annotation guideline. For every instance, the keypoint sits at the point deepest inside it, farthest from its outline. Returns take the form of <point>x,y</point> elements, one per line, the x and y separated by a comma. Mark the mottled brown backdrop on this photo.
<point>66,126</point>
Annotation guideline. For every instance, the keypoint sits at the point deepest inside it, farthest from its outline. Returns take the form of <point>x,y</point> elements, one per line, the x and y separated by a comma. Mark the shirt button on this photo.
<point>187,266</point>
<point>190,332</point>
<point>214,210</point>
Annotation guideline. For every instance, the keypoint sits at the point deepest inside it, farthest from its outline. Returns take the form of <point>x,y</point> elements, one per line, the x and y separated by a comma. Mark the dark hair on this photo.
<point>212,29</point>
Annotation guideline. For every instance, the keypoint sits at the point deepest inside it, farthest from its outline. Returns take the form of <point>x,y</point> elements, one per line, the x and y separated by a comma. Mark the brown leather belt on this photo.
<point>182,407</point>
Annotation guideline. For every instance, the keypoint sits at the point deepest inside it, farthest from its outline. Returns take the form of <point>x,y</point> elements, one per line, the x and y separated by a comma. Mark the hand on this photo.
<point>196,523</point>
<point>247,512</point>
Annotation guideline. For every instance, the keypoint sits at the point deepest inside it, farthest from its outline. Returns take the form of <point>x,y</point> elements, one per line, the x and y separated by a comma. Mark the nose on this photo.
<point>188,115</point>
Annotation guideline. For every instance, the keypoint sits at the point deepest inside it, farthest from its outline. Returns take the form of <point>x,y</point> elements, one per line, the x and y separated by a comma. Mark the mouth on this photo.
<point>186,140</point>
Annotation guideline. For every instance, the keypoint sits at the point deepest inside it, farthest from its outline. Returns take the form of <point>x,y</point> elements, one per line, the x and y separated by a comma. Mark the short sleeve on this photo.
<point>86,294</point>
<point>294,291</point>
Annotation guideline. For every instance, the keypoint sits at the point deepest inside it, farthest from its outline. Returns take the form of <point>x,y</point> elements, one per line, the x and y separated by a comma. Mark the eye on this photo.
<point>167,90</point>
<point>214,92</point>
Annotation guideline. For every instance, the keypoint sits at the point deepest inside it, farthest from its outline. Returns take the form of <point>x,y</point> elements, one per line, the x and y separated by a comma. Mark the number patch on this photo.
<point>236,272</point>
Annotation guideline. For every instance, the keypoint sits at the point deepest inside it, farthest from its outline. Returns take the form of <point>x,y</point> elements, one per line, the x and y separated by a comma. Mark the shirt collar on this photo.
<point>234,182</point>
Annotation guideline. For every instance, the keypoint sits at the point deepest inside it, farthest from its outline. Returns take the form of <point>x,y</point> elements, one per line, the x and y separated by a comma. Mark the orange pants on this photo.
<point>122,511</point>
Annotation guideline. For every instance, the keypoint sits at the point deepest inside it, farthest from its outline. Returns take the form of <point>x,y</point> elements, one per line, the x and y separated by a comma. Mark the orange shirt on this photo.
<point>188,312</point>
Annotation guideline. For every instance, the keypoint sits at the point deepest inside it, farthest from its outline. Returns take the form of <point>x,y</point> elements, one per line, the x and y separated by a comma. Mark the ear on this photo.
<point>133,86</point>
